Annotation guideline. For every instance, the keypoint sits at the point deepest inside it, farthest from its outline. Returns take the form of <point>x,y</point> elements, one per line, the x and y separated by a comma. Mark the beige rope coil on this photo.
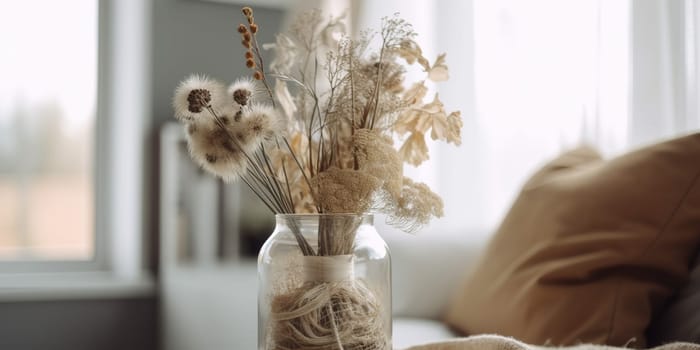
<point>330,310</point>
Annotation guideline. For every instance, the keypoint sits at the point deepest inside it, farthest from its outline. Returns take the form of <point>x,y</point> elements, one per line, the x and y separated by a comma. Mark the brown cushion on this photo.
<point>590,250</point>
<point>680,319</point>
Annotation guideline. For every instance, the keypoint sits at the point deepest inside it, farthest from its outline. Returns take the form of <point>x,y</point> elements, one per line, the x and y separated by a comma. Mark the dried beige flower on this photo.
<point>419,120</point>
<point>415,94</point>
<point>454,128</point>
<point>345,190</point>
<point>414,150</point>
<point>376,156</point>
<point>438,71</point>
<point>410,51</point>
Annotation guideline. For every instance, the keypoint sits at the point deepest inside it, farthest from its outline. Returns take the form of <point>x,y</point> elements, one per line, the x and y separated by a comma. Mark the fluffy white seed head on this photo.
<point>262,124</point>
<point>242,91</point>
<point>194,95</point>
<point>213,149</point>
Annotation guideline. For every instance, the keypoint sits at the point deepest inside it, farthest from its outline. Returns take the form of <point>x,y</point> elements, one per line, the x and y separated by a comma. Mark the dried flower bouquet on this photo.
<point>321,140</point>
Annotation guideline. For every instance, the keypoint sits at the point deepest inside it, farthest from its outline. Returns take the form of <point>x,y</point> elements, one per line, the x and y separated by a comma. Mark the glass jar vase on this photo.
<point>324,282</point>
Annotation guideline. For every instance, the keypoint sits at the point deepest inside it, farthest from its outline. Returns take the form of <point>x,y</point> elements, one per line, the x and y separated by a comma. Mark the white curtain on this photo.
<point>535,77</point>
<point>665,69</point>
<point>549,75</point>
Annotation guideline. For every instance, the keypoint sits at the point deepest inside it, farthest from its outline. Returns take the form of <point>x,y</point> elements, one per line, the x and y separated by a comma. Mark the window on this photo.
<point>549,75</point>
<point>47,123</point>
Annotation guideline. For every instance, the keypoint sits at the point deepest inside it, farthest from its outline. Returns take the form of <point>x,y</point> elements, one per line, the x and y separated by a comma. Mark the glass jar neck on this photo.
<point>313,220</point>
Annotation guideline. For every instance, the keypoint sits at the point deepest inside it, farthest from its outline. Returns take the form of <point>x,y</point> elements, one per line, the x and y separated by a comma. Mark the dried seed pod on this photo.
<point>198,99</point>
<point>241,93</point>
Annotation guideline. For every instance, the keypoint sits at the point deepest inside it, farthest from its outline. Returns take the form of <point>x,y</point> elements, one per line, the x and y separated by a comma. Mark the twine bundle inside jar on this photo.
<point>328,315</point>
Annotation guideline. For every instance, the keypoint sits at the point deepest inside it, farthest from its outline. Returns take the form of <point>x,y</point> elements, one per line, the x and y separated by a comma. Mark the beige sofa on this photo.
<point>427,269</point>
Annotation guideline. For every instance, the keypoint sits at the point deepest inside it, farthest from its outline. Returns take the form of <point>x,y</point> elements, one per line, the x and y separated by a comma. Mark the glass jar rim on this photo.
<point>316,215</point>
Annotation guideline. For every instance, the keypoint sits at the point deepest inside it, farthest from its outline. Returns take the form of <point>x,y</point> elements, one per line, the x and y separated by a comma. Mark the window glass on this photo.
<point>48,91</point>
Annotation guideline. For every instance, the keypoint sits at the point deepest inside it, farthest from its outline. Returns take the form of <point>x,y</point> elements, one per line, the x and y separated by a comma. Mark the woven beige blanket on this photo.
<point>496,342</point>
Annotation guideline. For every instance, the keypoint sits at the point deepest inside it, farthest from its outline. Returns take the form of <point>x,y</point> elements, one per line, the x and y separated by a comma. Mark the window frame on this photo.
<point>123,32</point>
<point>98,261</point>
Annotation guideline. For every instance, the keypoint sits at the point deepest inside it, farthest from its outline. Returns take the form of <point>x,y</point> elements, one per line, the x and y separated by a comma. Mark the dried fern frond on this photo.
<point>416,206</point>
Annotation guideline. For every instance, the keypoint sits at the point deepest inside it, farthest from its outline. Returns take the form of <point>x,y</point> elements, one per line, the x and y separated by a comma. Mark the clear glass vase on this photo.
<point>324,282</point>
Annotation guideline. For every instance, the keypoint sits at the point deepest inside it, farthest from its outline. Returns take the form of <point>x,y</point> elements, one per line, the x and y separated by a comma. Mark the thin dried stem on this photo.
<point>261,63</point>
